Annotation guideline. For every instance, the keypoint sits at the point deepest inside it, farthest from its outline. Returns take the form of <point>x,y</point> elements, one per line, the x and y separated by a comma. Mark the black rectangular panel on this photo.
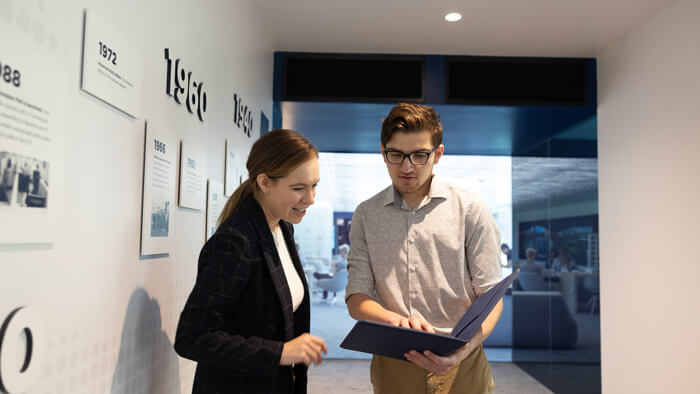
<point>517,81</point>
<point>312,77</point>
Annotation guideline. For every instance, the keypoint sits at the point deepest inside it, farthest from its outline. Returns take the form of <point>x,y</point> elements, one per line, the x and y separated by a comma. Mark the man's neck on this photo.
<point>413,199</point>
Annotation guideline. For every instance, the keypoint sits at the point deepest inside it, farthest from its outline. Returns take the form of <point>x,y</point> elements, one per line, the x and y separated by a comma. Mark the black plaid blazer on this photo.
<point>239,313</point>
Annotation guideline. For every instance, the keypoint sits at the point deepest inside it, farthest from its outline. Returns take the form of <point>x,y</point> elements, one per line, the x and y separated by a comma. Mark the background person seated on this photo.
<point>530,265</point>
<point>564,262</point>
<point>339,263</point>
<point>335,285</point>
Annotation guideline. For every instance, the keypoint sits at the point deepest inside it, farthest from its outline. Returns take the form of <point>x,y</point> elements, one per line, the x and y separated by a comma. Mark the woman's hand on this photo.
<point>305,349</point>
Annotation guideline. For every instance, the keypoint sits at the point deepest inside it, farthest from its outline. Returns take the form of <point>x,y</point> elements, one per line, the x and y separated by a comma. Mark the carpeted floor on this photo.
<point>352,376</point>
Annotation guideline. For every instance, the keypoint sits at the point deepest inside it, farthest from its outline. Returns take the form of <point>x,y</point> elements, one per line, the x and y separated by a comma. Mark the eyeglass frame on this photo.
<point>405,155</point>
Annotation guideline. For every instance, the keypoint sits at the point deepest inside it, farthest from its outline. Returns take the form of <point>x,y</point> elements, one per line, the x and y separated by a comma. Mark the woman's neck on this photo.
<point>272,221</point>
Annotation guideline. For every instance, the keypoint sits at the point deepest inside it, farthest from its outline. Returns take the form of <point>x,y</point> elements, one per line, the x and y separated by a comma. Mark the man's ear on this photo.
<point>264,182</point>
<point>438,153</point>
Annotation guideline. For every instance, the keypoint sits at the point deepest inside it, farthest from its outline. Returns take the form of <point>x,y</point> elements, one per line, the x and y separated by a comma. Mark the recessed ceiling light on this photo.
<point>453,17</point>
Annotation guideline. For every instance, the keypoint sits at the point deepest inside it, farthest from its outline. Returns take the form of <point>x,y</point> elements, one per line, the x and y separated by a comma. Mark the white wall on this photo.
<point>649,137</point>
<point>111,316</point>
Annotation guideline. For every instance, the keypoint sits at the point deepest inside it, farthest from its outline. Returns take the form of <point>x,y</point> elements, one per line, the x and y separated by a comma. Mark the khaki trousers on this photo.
<point>392,376</point>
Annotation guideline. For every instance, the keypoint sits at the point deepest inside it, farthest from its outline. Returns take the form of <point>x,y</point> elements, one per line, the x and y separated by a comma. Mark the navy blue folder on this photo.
<point>391,341</point>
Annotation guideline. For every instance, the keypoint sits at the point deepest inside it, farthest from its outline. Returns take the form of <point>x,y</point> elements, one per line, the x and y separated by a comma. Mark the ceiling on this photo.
<point>533,28</point>
<point>565,28</point>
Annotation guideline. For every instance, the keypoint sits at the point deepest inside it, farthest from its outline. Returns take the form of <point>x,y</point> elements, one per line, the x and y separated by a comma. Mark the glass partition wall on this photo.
<point>556,300</point>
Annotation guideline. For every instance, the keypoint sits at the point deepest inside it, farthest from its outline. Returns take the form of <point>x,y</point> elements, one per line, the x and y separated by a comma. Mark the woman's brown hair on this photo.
<point>276,154</point>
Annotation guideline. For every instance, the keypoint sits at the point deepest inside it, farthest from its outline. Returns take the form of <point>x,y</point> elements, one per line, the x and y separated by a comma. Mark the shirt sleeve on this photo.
<point>201,336</point>
<point>482,248</point>
<point>360,275</point>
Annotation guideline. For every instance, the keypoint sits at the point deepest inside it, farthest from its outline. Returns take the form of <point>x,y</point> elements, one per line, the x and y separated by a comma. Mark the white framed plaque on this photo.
<point>159,177</point>
<point>232,173</point>
<point>215,204</point>
<point>192,177</point>
<point>31,139</point>
<point>111,66</point>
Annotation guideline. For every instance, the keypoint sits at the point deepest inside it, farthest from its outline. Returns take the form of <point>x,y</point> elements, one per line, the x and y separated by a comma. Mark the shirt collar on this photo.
<point>438,189</point>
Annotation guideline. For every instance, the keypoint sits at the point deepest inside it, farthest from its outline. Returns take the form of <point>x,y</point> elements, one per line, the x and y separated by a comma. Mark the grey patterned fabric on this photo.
<point>430,262</point>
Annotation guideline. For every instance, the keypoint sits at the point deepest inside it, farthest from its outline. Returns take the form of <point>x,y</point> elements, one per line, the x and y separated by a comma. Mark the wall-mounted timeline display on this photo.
<point>30,141</point>
<point>232,176</point>
<point>192,176</point>
<point>157,210</point>
<point>111,66</point>
<point>215,203</point>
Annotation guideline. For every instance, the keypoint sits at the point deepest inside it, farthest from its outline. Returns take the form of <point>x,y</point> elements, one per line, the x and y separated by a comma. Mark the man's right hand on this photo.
<point>412,322</point>
<point>305,348</point>
<point>362,307</point>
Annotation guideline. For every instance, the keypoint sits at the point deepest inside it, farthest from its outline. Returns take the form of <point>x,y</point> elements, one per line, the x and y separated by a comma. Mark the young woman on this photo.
<point>246,322</point>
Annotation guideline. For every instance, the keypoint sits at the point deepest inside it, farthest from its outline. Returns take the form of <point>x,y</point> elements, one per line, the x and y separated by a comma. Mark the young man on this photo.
<point>421,252</point>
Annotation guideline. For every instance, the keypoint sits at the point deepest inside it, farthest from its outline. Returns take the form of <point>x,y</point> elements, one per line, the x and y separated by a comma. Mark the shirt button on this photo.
<point>413,295</point>
<point>412,268</point>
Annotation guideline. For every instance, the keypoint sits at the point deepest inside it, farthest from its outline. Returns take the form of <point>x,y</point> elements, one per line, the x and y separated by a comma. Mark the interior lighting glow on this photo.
<point>453,17</point>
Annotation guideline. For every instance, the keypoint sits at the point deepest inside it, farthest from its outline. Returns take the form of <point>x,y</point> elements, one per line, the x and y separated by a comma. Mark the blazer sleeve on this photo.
<point>222,274</point>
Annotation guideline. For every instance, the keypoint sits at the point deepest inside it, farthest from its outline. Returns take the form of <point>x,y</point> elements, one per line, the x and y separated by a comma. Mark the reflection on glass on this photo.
<point>555,302</point>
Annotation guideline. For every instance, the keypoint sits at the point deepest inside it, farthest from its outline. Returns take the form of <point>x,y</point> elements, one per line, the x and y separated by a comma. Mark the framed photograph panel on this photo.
<point>215,204</point>
<point>192,176</point>
<point>159,171</point>
<point>111,66</point>
<point>232,176</point>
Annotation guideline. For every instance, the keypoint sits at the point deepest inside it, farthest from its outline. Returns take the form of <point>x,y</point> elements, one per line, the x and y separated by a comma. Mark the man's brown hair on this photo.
<point>412,118</point>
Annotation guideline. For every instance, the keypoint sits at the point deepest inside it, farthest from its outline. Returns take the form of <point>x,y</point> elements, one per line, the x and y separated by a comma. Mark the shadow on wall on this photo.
<point>147,362</point>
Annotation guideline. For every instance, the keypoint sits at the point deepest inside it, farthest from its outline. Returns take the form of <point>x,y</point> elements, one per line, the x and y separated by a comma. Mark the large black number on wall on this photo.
<point>180,85</point>
<point>242,115</point>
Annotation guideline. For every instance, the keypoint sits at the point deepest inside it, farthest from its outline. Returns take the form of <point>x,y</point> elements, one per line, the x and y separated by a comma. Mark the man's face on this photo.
<point>407,177</point>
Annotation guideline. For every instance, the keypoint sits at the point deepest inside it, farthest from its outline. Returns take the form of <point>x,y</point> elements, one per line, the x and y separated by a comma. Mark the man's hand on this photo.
<point>412,322</point>
<point>436,364</point>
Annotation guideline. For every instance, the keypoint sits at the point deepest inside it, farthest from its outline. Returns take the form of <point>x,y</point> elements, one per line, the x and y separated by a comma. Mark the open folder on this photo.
<point>391,341</point>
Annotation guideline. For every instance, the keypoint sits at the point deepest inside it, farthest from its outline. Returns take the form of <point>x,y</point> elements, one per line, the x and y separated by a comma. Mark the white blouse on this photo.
<point>296,287</point>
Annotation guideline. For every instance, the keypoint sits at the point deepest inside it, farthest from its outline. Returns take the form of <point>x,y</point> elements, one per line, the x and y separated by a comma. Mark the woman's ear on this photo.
<point>264,182</point>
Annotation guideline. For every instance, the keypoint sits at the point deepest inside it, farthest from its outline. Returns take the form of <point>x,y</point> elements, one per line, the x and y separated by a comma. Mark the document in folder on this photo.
<point>391,341</point>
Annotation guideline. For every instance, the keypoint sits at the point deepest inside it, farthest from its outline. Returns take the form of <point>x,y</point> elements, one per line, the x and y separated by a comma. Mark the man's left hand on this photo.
<point>436,364</point>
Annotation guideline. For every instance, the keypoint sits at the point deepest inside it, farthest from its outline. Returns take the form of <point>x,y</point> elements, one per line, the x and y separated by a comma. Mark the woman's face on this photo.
<point>288,197</point>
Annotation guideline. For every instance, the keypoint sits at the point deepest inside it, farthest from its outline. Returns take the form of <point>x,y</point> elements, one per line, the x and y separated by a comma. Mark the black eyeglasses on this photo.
<point>416,158</point>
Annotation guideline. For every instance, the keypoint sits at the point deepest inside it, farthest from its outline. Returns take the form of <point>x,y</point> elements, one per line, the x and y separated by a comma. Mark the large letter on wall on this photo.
<point>16,378</point>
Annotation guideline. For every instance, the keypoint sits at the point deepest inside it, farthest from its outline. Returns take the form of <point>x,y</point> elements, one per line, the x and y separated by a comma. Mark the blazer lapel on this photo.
<point>280,282</point>
<point>289,239</point>
<point>274,266</point>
